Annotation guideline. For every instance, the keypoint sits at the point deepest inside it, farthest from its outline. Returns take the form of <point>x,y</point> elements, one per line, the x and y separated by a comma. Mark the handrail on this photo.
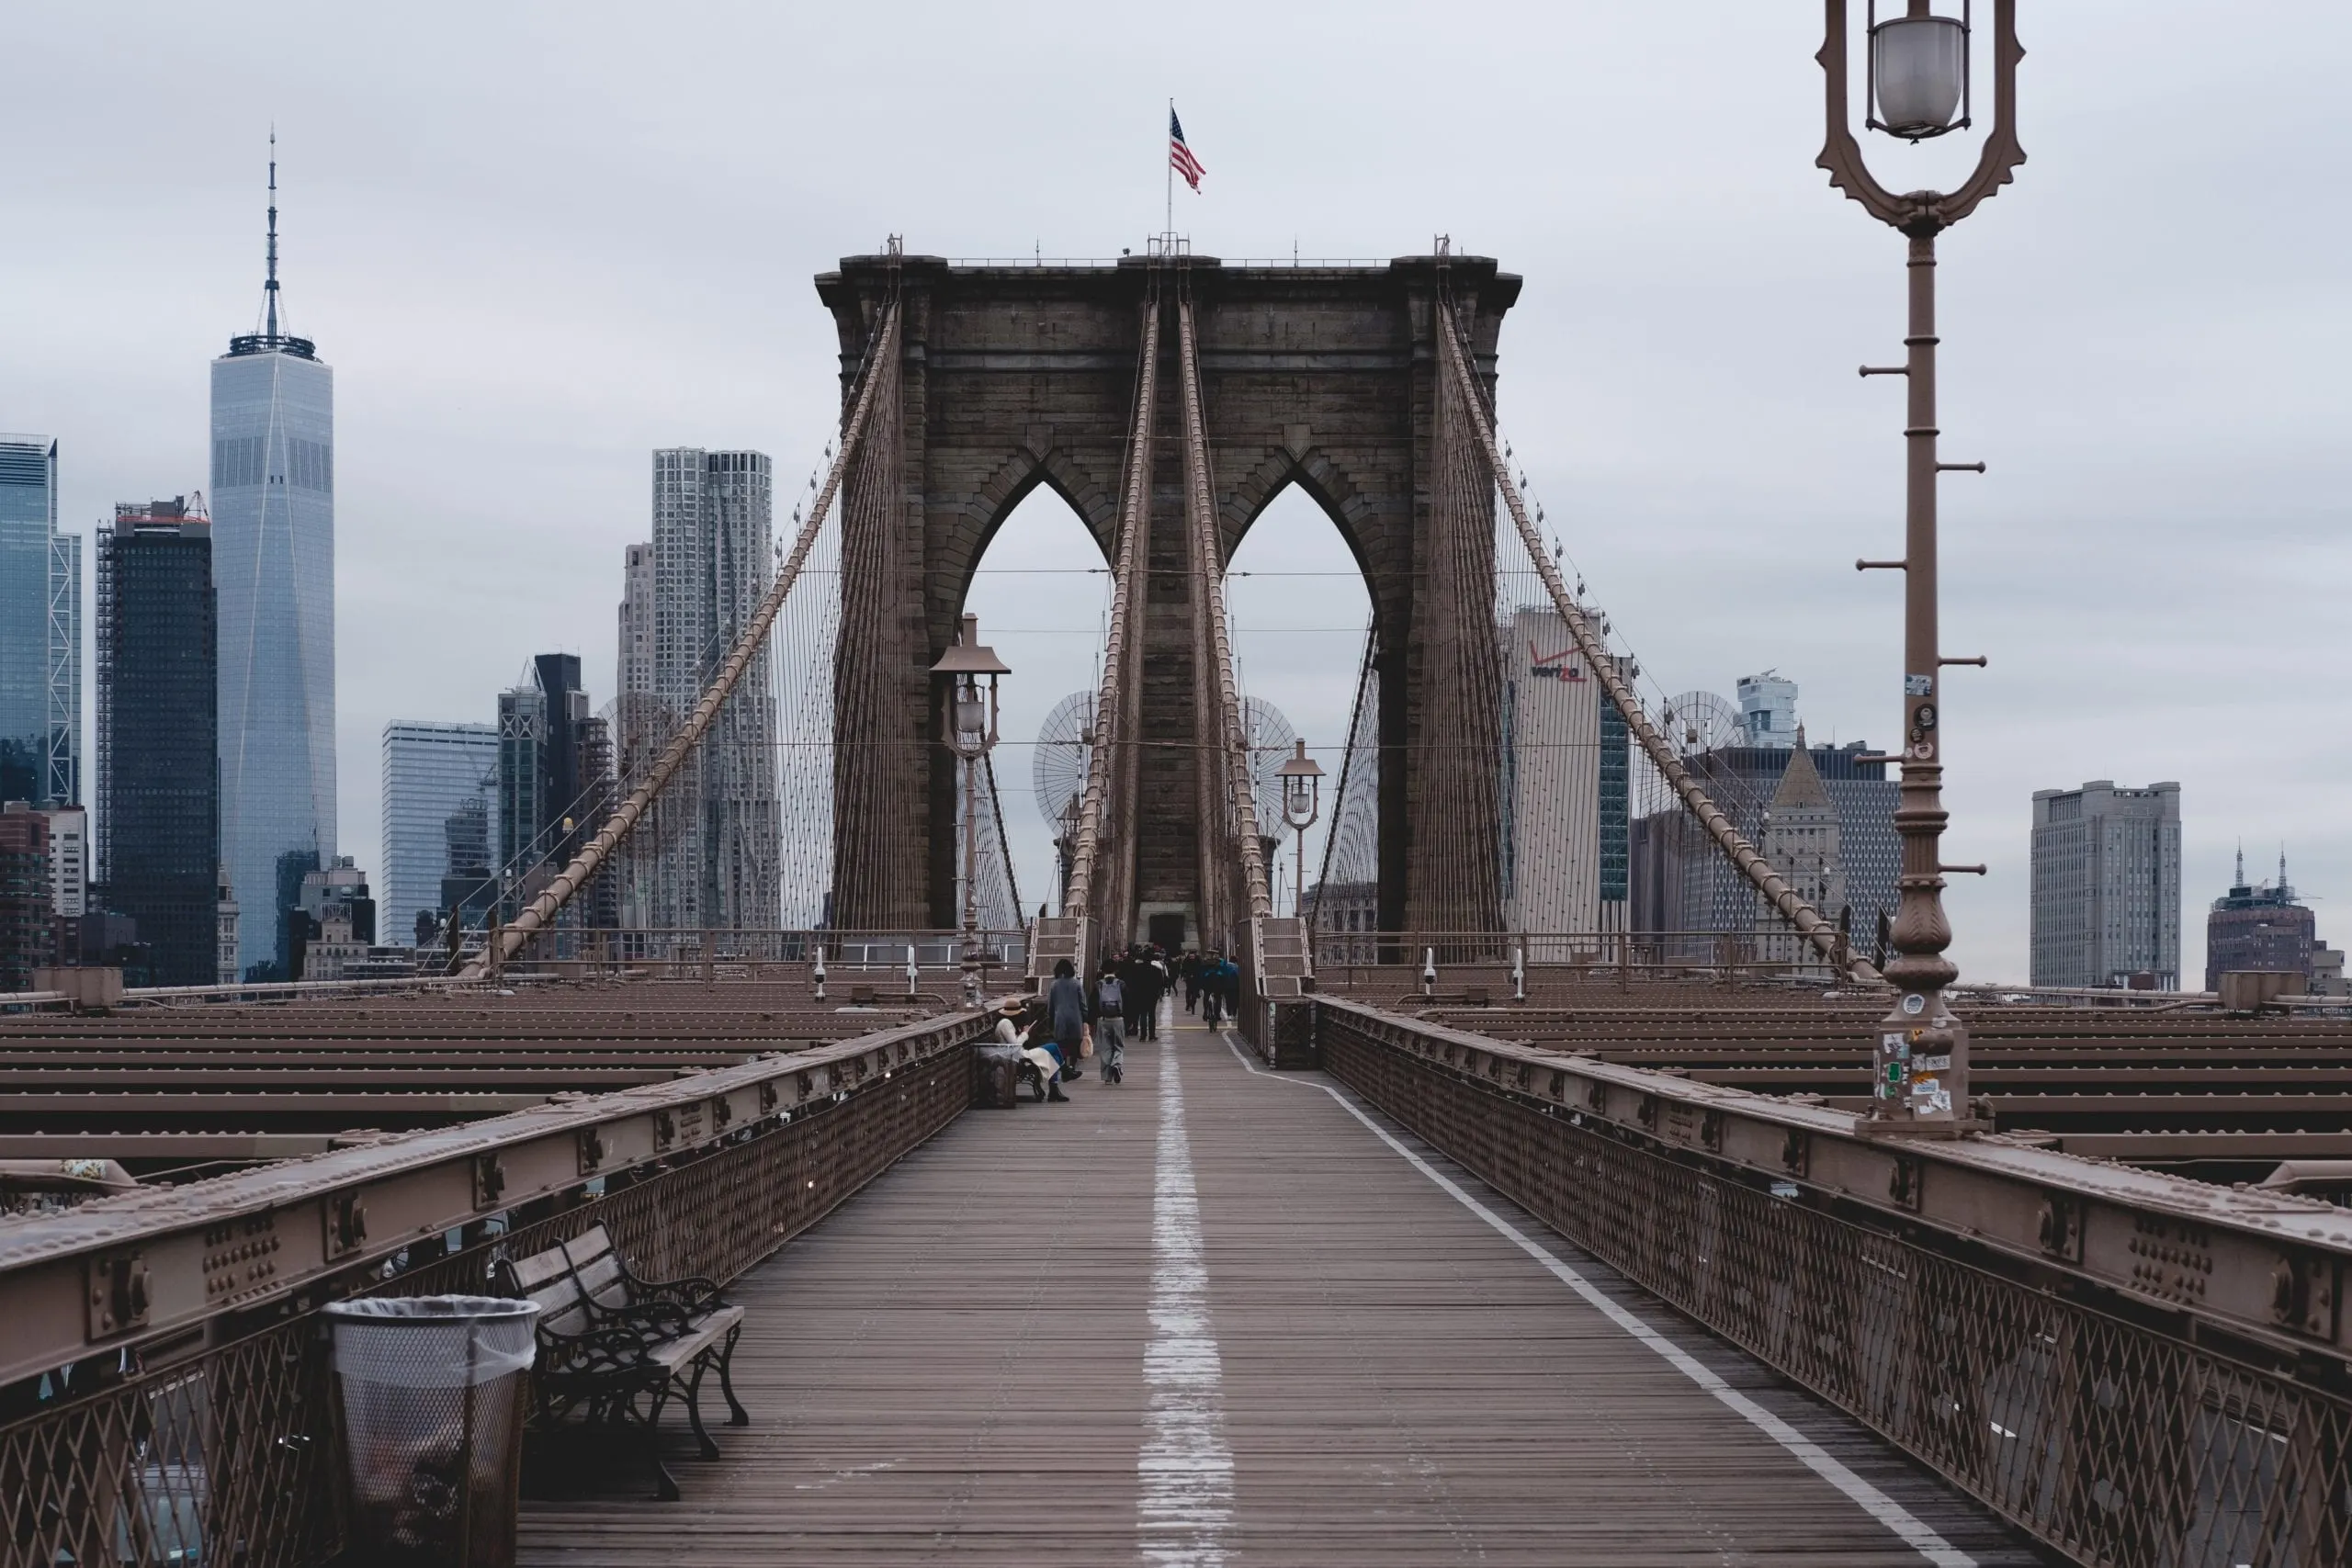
<point>152,1255</point>
<point>2127,1230</point>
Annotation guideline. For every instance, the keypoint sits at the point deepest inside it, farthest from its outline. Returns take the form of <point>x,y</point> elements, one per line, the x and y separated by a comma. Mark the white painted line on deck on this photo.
<point>1185,1465</point>
<point>1868,1498</point>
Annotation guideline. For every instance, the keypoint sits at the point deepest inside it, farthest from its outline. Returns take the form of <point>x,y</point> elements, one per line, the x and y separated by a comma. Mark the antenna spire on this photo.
<point>2241,876</point>
<point>269,288</point>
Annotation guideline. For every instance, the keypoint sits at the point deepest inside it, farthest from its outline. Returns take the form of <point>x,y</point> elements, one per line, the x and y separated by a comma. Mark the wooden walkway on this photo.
<point>1212,1316</point>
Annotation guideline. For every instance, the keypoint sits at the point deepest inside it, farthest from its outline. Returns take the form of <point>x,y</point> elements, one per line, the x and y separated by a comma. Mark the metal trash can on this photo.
<point>997,1075</point>
<point>430,1393</point>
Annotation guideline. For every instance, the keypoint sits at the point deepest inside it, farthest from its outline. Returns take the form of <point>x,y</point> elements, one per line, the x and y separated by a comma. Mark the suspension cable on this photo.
<point>1823,934</point>
<point>1210,568</point>
<point>583,865</point>
<point>1111,718</point>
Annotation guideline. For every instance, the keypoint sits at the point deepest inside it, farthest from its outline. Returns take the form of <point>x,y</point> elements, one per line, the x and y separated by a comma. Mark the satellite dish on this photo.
<point>1065,745</point>
<point>1699,722</point>
<point>1271,739</point>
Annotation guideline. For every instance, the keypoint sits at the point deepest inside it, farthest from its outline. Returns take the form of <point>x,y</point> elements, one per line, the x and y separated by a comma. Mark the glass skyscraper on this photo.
<point>272,553</point>
<point>41,631</point>
<point>432,773</point>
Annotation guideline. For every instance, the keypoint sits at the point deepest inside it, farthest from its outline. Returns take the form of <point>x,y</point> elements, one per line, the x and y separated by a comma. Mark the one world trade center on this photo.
<point>273,562</point>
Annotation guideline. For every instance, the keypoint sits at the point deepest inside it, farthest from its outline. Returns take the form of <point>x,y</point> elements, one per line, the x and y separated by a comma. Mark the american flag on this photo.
<point>1179,157</point>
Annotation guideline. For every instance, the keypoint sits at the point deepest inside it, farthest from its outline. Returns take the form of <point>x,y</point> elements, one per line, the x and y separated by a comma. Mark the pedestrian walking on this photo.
<point>1131,988</point>
<point>1162,984</point>
<point>1110,1026</point>
<point>1066,1004</point>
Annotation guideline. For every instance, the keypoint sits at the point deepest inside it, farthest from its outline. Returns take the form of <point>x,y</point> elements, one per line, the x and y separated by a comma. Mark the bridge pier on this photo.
<point>1325,378</point>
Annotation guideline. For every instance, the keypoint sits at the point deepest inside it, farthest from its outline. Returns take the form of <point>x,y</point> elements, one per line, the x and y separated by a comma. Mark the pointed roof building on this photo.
<point>1801,787</point>
<point>1801,836</point>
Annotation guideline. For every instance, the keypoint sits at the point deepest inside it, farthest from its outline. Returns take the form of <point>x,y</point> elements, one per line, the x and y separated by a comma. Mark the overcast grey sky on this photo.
<point>538,240</point>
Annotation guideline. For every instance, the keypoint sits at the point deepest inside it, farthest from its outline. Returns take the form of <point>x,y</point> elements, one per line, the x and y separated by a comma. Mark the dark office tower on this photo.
<point>158,738</point>
<point>273,505</point>
<point>567,708</point>
<point>554,767</point>
<point>592,749</point>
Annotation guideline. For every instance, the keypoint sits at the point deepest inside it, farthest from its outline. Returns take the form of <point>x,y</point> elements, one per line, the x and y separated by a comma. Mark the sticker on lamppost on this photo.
<point>1919,685</point>
<point>1914,1004</point>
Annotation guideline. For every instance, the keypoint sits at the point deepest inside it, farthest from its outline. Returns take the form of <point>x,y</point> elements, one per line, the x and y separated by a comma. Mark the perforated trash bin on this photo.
<point>430,1389</point>
<point>996,1075</point>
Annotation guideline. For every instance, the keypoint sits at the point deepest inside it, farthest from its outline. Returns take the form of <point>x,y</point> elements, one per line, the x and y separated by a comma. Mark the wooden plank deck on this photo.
<point>1209,1316</point>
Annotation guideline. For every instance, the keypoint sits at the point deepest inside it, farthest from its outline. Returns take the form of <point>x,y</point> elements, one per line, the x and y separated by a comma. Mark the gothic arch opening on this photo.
<point>1042,590</point>
<point>1301,613</point>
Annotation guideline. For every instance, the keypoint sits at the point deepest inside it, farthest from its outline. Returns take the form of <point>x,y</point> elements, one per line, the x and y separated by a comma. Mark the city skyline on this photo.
<point>2064,562</point>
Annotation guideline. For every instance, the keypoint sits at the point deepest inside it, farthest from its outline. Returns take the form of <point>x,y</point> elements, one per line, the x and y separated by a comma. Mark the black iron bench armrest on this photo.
<point>696,1293</point>
<point>611,1351</point>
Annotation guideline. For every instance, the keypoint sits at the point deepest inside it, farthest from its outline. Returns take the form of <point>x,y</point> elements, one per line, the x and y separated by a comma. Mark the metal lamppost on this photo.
<point>1066,845</point>
<point>1919,87</point>
<point>969,730</point>
<point>1302,804</point>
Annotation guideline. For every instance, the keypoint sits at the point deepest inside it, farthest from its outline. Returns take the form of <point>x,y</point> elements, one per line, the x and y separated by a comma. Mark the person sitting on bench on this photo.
<point>1042,1065</point>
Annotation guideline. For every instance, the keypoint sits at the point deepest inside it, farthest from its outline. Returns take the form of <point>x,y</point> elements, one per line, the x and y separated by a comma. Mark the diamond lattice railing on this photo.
<point>2120,1445</point>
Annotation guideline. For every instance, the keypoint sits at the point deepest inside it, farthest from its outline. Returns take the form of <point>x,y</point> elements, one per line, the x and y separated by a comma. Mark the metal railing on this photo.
<point>1450,960</point>
<point>740,950</point>
<point>2141,1371</point>
<point>162,1393</point>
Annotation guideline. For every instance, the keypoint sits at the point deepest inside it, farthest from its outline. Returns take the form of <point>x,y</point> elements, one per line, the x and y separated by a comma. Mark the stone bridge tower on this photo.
<point>1325,378</point>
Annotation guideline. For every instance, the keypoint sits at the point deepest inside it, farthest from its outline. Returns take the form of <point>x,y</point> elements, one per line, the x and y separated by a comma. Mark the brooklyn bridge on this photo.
<point>1466,1237</point>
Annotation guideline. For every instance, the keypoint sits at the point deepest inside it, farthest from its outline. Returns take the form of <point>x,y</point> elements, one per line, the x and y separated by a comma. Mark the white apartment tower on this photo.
<point>634,671</point>
<point>708,856</point>
<point>1552,785</point>
<point>2106,885</point>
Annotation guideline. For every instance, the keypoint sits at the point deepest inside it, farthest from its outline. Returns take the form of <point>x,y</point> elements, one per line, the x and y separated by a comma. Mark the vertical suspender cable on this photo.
<point>1793,909</point>
<point>1228,747</point>
<point>583,865</point>
<point>1117,728</point>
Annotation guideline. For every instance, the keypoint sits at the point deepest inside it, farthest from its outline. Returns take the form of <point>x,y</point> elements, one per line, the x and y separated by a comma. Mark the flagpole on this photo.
<point>1170,230</point>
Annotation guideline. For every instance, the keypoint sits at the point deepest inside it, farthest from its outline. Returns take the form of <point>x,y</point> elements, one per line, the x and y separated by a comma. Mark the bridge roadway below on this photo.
<point>1214,1315</point>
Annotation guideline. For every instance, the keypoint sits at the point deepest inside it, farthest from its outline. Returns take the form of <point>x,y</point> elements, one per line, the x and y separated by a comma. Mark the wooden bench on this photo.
<point>615,1348</point>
